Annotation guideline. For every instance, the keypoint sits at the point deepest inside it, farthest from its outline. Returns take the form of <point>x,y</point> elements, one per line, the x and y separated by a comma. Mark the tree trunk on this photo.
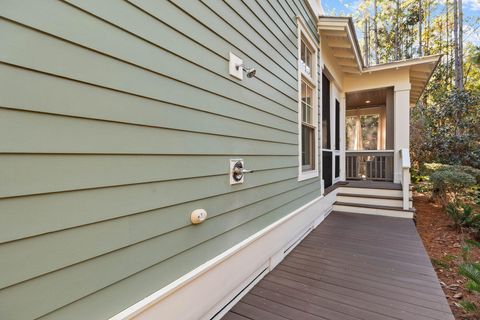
<point>428,13</point>
<point>366,49</point>
<point>420,21</point>
<point>375,31</point>
<point>460,45</point>
<point>456,45</point>
<point>447,40</point>
<point>397,30</point>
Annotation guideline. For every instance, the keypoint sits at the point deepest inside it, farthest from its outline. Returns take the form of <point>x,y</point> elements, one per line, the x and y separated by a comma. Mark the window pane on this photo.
<point>351,128</point>
<point>308,145</point>
<point>369,125</point>
<point>304,112</point>
<point>306,57</point>
<point>307,96</point>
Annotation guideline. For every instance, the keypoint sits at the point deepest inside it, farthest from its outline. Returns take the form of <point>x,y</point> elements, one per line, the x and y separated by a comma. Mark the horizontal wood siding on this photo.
<point>118,118</point>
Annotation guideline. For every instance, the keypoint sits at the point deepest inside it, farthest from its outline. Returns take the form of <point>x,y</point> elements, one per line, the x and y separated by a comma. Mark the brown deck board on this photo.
<point>350,267</point>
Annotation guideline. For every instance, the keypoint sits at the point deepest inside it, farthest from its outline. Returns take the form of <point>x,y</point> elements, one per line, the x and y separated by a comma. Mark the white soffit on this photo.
<point>339,35</point>
<point>420,70</point>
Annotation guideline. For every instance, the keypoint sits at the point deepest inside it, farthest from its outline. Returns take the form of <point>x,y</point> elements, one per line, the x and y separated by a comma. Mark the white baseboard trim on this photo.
<point>226,275</point>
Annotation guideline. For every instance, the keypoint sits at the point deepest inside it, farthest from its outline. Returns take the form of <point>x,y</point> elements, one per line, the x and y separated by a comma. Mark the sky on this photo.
<point>471,8</point>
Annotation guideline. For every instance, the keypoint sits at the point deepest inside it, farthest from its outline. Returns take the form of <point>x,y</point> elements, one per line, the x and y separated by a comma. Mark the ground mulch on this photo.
<point>443,244</point>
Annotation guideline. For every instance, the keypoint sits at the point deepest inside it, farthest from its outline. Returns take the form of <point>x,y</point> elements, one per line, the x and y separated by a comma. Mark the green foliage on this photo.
<point>464,216</point>
<point>439,263</point>
<point>450,181</point>
<point>429,168</point>
<point>468,306</point>
<point>473,243</point>
<point>471,271</point>
<point>447,129</point>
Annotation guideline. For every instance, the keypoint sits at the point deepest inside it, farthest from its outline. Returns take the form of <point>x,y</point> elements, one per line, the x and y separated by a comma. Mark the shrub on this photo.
<point>464,216</point>
<point>430,168</point>
<point>450,181</point>
<point>434,166</point>
<point>471,171</point>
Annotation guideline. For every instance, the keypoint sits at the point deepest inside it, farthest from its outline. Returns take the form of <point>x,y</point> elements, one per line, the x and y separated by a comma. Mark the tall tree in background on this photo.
<point>397,30</point>
<point>366,41</point>
<point>456,47</point>
<point>459,72</point>
<point>420,22</point>
<point>375,30</point>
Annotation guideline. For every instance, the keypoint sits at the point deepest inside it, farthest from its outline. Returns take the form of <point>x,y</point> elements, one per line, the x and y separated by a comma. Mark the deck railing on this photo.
<point>369,165</point>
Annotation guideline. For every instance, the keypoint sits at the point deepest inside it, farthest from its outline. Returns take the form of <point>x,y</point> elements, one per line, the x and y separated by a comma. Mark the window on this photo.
<point>306,57</point>
<point>308,128</point>
<point>307,105</point>
<point>365,129</point>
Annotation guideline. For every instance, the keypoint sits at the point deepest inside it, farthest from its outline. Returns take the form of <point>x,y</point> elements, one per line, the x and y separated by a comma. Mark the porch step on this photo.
<point>382,200</point>
<point>387,192</point>
<point>374,209</point>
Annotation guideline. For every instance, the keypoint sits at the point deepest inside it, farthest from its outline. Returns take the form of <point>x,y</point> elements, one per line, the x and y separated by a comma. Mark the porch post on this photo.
<point>401,126</point>
<point>343,136</point>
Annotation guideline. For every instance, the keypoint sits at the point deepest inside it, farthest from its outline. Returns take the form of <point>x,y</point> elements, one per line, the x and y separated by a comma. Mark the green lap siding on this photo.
<point>118,119</point>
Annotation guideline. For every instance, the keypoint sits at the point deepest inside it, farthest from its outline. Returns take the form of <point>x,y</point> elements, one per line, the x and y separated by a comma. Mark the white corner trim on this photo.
<point>171,288</point>
<point>315,7</point>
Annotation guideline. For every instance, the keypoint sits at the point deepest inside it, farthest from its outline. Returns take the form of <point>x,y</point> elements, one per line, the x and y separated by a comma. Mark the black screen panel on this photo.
<point>325,112</point>
<point>337,125</point>
<point>327,168</point>
<point>337,166</point>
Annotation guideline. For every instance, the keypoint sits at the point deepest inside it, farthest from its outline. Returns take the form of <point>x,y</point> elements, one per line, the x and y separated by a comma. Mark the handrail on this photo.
<point>405,157</point>
<point>369,151</point>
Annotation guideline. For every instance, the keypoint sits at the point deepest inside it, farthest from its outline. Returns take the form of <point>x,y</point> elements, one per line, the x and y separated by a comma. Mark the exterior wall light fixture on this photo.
<point>250,72</point>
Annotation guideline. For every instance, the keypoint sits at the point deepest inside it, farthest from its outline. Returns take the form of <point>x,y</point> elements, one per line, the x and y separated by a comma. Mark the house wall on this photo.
<point>118,119</point>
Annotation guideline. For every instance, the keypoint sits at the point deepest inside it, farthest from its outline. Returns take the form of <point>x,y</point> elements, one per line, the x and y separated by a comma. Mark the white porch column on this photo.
<point>401,126</point>
<point>343,135</point>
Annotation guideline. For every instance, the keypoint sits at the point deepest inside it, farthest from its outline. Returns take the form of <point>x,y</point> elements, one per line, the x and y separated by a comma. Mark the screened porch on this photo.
<point>369,135</point>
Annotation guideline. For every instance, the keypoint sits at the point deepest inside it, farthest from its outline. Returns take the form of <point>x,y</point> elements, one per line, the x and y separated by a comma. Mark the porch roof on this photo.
<point>339,35</point>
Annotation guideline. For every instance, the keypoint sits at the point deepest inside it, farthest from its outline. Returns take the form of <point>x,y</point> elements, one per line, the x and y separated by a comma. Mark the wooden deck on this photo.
<point>353,266</point>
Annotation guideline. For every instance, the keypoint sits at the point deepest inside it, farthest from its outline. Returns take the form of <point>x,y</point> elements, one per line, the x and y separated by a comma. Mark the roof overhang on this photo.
<point>339,35</point>
<point>420,71</point>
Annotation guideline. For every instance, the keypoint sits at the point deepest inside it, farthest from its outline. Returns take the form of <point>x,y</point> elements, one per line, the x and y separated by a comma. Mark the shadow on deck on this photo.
<point>352,266</point>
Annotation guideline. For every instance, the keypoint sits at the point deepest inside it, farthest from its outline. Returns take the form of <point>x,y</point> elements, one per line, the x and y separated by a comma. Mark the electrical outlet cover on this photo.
<point>232,66</point>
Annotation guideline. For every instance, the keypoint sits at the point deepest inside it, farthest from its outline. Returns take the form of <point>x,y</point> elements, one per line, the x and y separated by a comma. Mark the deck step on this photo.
<point>374,209</point>
<point>372,191</point>
<point>383,200</point>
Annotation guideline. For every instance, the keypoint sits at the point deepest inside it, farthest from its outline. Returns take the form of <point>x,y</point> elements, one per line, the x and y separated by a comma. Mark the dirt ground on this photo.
<point>443,244</point>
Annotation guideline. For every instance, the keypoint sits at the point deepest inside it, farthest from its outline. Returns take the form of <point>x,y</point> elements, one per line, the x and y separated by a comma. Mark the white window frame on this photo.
<point>313,81</point>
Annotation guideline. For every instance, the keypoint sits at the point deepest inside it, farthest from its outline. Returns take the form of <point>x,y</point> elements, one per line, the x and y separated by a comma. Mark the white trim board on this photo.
<point>224,276</point>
